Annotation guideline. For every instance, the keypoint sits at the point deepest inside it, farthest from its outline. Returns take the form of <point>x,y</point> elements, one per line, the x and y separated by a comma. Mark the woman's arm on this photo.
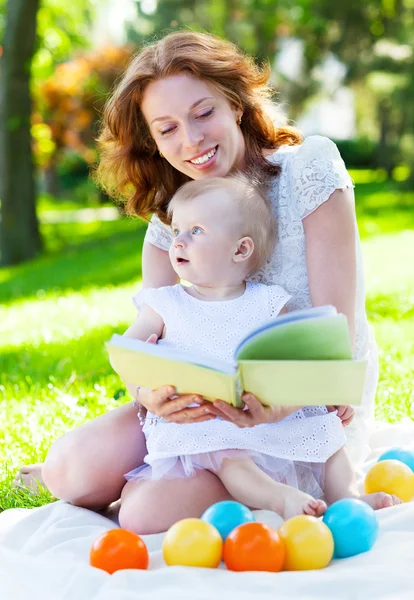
<point>330,233</point>
<point>157,270</point>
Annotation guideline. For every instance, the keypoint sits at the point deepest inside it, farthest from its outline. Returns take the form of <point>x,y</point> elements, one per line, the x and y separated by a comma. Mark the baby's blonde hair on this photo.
<point>250,197</point>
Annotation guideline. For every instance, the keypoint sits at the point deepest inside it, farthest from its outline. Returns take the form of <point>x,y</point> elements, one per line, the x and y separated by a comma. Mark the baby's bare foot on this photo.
<point>314,507</point>
<point>30,477</point>
<point>380,500</point>
<point>299,503</point>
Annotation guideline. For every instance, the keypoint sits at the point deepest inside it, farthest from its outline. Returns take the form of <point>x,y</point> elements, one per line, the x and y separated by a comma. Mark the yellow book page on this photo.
<point>304,382</point>
<point>152,372</point>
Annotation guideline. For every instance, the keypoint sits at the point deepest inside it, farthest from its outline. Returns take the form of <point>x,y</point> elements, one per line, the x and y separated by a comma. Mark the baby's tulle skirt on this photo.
<point>305,476</point>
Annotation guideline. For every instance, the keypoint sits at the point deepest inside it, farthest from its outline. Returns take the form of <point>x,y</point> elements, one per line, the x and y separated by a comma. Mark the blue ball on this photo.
<point>227,515</point>
<point>354,527</point>
<point>402,454</point>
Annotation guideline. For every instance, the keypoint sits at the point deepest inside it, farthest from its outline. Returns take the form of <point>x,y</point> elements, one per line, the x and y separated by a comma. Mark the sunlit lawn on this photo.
<point>57,312</point>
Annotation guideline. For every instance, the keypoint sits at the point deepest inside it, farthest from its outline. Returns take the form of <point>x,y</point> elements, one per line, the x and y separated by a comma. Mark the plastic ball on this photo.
<point>354,527</point>
<point>192,543</point>
<point>402,454</point>
<point>227,515</point>
<point>392,477</point>
<point>309,543</point>
<point>118,549</point>
<point>254,547</point>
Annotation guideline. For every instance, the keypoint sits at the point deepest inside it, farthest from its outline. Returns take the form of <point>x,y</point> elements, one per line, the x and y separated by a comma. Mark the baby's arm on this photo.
<point>147,323</point>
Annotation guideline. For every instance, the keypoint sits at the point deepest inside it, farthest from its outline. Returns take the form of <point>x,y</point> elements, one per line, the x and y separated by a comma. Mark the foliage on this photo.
<point>70,101</point>
<point>359,152</point>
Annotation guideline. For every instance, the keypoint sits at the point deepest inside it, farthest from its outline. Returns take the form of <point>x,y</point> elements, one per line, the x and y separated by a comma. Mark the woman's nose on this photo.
<point>193,135</point>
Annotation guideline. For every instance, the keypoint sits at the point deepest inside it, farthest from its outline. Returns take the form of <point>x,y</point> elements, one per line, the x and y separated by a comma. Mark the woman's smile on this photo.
<point>205,160</point>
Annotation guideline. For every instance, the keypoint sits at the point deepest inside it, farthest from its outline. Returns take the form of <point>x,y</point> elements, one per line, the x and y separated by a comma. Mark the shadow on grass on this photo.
<point>71,366</point>
<point>383,208</point>
<point>108,255</point>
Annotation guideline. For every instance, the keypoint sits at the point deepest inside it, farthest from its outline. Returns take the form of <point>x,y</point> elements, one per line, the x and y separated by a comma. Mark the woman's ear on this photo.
<point>244,249</point>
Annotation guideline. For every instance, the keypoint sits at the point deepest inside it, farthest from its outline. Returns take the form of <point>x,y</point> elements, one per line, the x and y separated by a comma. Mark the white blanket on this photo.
<point>44,554</point>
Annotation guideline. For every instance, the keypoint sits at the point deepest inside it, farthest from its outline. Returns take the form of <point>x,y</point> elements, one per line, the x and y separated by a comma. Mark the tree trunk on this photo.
<point>19,231</point>
<point>52,184</point>
<point>383,150</point>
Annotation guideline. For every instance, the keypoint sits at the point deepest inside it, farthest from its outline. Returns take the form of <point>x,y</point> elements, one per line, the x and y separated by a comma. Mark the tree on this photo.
<point>61,27</point>
<point>19,231</point>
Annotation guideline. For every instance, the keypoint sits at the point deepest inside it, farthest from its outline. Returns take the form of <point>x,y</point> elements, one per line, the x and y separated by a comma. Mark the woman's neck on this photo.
<point>229,292</point>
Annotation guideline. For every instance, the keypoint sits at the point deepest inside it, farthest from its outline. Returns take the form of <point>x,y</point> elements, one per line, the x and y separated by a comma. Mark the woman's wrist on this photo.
<point>141,409</point>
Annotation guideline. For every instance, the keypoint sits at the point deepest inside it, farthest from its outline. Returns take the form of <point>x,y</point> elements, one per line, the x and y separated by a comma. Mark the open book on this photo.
<point>298,358</point>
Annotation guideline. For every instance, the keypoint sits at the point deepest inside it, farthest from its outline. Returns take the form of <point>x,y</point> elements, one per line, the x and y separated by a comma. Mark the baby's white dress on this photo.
<point>292,451</point>
<point>310,173</point>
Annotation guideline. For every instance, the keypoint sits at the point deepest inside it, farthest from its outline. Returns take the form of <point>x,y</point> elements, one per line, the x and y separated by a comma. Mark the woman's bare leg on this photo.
<point>153,506</point>
<point>87,465</point>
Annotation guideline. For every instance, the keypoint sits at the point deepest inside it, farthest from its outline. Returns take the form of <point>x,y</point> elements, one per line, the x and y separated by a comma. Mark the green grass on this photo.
<point>57,311</point>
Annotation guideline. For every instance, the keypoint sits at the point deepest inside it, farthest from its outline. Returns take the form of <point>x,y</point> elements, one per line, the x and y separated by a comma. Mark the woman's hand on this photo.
<point>253,413</point>
<point>165,403</point>
<point>345,413</point>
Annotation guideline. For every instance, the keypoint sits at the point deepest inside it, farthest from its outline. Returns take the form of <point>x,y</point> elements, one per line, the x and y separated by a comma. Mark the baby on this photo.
<point>224,231</point>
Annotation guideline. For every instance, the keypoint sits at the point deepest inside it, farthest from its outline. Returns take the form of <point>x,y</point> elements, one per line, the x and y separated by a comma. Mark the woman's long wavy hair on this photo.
<point>130,167</point>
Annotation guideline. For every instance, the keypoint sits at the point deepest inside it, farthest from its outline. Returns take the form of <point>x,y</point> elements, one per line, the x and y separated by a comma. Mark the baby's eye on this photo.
<point>175,232</point>
<point>196,230</point>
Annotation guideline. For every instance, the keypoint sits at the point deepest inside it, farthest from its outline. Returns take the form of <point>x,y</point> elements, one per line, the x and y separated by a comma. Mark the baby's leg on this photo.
<point>340,483</point>
<point>248,484</point>
<point>153,506</point>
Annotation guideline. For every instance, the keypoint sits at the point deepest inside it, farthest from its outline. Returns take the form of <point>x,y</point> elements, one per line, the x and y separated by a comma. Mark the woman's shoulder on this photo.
<point>309,173</point>
<point>314,146</point>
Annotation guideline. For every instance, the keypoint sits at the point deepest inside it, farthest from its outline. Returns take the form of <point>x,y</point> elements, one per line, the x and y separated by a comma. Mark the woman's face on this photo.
<point>194,126</point>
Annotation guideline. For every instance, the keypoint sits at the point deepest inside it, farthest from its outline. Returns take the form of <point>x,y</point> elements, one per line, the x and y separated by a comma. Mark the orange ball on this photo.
<point>254,547</point>
<point>118,549</point>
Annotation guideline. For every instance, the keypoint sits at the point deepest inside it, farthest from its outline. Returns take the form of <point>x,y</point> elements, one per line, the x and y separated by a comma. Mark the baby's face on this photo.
<point>206,230</point>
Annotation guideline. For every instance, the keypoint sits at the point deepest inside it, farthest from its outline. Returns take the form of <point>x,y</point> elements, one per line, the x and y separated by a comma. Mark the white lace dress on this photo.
<point>292,451</point>
<point>310,173</point>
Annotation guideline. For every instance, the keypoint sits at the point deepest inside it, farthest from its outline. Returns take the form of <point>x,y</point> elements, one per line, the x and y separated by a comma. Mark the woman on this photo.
<point>192,106</point>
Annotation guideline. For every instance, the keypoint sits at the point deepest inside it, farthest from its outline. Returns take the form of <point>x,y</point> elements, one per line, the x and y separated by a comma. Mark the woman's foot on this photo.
<point>30,477</point>
<point>292,502</point>
<point>380,500</point>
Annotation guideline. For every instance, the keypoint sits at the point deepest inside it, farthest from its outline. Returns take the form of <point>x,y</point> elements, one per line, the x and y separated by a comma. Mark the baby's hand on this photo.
<point>345,413</point>
<point>153,339</point>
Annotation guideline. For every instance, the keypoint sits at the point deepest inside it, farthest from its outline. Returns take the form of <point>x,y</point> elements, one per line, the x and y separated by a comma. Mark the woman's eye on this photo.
<point>196,230</point>
<point>167,131</point>
<point>204,115</point>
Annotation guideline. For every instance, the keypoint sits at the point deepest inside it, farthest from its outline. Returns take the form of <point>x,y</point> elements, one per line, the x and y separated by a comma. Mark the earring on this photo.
<point>239,120</point>
<point>161,154</point>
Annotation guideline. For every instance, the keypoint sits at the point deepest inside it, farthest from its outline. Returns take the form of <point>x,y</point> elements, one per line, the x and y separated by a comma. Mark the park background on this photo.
<point>70,260</point>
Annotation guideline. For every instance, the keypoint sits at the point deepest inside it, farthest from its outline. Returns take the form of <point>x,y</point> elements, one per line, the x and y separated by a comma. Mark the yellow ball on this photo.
<point>193,543</point>
<point>308,542</point>
<point>392,477</point>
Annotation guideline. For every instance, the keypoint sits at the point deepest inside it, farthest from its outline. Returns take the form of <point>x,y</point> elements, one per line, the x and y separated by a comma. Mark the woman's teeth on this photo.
<point>203,159</point>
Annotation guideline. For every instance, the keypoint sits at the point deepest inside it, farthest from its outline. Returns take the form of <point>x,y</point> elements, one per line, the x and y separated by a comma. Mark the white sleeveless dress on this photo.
<point>292,451</point>
<point>310,173</point>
